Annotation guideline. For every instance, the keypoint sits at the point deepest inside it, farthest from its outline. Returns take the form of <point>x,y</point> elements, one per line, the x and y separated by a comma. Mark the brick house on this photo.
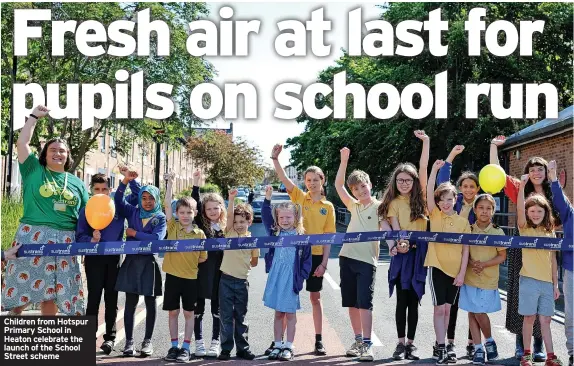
<point>551,139</point>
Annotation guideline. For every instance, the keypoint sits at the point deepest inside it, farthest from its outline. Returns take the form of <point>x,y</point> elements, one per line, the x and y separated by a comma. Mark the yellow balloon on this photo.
<point>100,211</point>
<point>492,178</point>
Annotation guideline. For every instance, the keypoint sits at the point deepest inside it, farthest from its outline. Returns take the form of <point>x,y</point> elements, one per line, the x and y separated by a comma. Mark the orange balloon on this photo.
<point>100,211</point>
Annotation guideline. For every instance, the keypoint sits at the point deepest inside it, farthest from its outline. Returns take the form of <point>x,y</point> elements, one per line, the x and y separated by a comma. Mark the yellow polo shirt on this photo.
<point>318,217</point>
<point>237,263</point>
<point>537,263</point>
<point>465,209</point>
<point>488,278</point>
<point>363,218</point>
<point>401,209</point>
<point>182,264</point>
<point>444,256</point>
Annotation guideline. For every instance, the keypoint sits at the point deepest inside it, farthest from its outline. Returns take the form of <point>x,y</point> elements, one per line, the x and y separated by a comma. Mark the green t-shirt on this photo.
<point>45,201</point>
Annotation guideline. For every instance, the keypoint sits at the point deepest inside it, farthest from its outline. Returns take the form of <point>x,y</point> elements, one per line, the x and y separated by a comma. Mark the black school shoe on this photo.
<point>246,354</point>
<point>270,349</point>
<point>107,347</point>
<point>399,352</point>
<point>184,356</point>
<point>411,352</point>
<point>320,349</point>
<point>224,355</point>
<point>172,354</point>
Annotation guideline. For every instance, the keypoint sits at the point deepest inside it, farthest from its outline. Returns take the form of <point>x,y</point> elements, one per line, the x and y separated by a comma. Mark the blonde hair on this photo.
<point>297,212</point>
<point>213,197</point>
<point>358,177</point>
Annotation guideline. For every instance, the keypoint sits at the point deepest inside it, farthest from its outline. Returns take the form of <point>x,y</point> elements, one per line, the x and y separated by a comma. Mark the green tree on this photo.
<point>39,66</point>
<point>226,163</point>
<point>377,146</point>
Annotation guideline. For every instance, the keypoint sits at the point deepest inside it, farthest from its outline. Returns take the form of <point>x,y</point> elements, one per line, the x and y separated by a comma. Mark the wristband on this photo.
<point>33,115</point>
<point>272,158</point>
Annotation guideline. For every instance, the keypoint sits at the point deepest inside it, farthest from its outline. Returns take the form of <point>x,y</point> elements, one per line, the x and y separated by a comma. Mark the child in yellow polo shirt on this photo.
<point>447,262</point>
<point>479,295</point>
<point>181,272</point>
<point>538,286</point>
<point>233,285</point>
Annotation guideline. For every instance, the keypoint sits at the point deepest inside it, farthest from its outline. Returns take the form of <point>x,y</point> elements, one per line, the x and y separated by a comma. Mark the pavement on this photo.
<point>337,332</point>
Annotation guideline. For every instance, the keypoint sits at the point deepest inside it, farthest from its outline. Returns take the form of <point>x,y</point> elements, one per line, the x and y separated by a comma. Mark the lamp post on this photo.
<point>8,174</point>
<point>157,139</point>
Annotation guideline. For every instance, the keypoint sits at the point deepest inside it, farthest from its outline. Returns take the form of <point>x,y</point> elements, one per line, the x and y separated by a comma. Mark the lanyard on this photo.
<point>56,184</point>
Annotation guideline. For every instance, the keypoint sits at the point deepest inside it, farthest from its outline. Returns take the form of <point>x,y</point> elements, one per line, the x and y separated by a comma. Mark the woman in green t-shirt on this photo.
<point>52,199</point>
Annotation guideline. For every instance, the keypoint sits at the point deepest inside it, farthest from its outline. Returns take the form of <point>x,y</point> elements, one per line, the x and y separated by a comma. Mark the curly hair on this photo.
<point>416,199</point>
<point>244,210</point>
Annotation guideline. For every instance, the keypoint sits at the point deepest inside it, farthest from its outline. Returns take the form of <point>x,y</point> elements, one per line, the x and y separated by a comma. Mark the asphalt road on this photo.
<point>337,332</point>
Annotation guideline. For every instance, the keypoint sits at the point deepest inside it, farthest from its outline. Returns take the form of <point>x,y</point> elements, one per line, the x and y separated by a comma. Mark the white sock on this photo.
<point>288,345</point>
<point>477,346</point>
<point>278,344</point>
<point>489,340</point>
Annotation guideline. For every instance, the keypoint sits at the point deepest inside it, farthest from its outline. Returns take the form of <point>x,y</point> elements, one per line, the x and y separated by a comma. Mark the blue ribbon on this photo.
<point>194,245</point>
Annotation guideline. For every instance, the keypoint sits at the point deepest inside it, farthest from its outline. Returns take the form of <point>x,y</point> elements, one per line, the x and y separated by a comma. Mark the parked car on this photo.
<point>242,195</point>
<point>256,210</point>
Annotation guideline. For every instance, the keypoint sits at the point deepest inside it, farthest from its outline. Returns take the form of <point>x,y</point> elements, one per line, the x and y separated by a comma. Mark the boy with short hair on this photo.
<point>358,261</point>
<point>447,262</point>
<point>181,272</point>
<point>233,286</point>
<point>102,270</point>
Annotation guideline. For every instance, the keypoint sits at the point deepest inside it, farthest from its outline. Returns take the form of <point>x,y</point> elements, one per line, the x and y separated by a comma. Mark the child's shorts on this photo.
<point>177,288</point>
<point>535,297</point>
<point>357,283</point>
<point>443,290</point>
<point>478,300</point>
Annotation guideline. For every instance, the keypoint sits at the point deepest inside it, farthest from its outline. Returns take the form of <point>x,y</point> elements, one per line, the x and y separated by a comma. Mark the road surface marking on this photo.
<point>331,281</point>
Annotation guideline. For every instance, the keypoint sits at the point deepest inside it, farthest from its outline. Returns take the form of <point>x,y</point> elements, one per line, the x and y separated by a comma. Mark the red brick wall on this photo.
<point>557,148</point>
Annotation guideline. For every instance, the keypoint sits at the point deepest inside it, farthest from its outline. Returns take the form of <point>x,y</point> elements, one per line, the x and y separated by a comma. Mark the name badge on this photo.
<point>59,206</point>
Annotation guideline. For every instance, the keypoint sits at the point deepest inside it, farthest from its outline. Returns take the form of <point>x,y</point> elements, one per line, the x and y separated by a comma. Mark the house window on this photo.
<point>103,142</point>
<point>113,152</point>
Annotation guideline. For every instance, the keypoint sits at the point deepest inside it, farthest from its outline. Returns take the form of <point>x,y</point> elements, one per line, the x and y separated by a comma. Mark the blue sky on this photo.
<point>265,69</point>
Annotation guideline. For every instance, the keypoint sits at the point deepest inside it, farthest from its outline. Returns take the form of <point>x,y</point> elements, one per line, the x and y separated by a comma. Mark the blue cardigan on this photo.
<point>443,177</point>
<point>154,229</point>
<point>115,230</point>
<point>302,263</point>
<point>409,268</point>
<point>566,212</point>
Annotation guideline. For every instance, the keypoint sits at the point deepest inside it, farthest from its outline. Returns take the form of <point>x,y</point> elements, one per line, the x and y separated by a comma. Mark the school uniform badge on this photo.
<point>323,211</point>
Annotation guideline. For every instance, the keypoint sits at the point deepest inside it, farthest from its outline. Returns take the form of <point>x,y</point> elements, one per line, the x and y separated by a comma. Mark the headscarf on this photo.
<point>155,193</point>
<point>173,208</point>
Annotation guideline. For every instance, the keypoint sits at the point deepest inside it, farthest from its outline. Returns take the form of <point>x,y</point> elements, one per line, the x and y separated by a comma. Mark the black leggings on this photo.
<point>130,312</point>
<point>199,311</point>
<point>452,321</point>
<point>406,299</point>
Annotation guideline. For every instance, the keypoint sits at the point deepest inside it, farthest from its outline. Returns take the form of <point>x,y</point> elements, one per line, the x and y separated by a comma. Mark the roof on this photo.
<point>543,127</point>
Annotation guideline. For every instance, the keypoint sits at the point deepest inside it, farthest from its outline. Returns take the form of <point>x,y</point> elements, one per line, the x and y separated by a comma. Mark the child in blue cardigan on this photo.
<point>140,273</point>
<point>566,213</point>
<point>287,268</point>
